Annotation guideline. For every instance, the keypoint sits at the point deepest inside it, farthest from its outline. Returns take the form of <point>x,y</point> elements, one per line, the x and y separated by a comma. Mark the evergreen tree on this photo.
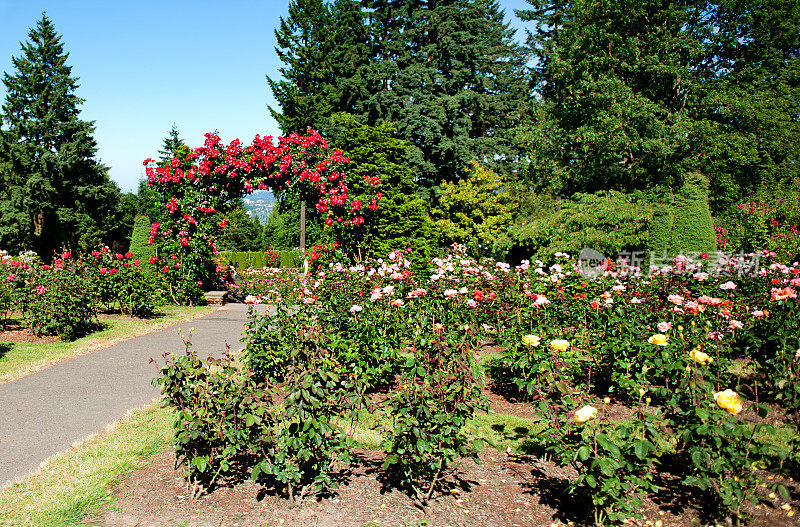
<point>391,49</point>
<point>752,103</point>
<point>476,211</point>
<point>171,146</point>
<point>619,81</point>
<point>304,41</point>
<point>242,232</point>
<point>54,192</point>
<point>400,220</point>
<point>638,94</point>
<point>282,230</point>
<point>349,57</point>
<point>449,75</point>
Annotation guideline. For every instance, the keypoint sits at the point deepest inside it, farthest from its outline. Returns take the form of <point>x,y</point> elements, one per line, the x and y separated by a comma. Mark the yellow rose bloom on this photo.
<point>531,340</point>
<point>699,357</point>
<point>658,339</point>
<point>729,400</point>
<point>559,345</point>
<point>585,413</point>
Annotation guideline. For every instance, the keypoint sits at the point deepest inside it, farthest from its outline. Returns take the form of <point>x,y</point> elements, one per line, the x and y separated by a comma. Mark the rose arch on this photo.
<point>195,188</point>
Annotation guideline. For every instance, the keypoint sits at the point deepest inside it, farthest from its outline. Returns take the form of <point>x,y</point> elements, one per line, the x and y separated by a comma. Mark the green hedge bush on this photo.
<point>257,259</point>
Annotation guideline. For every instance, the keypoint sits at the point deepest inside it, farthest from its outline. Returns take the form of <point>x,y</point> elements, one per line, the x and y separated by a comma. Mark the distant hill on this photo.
<point>259,203</point>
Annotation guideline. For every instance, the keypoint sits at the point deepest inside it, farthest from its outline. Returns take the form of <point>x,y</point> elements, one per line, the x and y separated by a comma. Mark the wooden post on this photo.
<point>303,226</point>
<point>303,235</point>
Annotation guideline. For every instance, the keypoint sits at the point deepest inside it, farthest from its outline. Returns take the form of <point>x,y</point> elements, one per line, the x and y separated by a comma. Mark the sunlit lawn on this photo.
<point>19,358</point>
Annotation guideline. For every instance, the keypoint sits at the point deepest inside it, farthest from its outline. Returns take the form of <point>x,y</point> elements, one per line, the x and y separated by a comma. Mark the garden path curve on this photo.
<point>44,413</point>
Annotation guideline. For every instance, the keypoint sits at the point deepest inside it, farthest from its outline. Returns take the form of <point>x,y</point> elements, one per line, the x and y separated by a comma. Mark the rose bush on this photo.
<point>662,340</point>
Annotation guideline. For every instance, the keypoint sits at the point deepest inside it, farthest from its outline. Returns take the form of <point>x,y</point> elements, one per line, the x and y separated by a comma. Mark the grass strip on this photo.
<point>19,359</point>
<point>74,485</point>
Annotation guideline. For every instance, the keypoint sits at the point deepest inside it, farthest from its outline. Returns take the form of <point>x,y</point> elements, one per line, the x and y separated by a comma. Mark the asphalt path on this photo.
<point>44,413</point>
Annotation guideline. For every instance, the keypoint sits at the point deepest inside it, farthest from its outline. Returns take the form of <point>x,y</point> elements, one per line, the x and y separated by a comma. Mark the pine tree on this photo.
<point>54,192</point>
<point>349,57</point>
<point>400,220</point>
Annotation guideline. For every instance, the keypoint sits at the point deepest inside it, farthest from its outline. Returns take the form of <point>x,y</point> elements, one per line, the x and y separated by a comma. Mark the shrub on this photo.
<point>288,260</point>
<point>769,222</point>
<point>122,282</point>
<point>438,395</point>
<point>12,285</point>
<point>272,258</point>
<point>139,238</point>
<point>60,299</point>
<point>246,260</point>
<point>609,222</point>
<point>692,228</point>
<point>223,416</point>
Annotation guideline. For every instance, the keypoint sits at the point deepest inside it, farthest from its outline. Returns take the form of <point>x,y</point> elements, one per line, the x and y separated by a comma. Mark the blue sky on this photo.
<point>148,64</point>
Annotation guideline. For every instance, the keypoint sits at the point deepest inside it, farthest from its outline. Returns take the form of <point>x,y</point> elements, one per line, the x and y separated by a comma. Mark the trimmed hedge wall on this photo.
<point>256,259</point>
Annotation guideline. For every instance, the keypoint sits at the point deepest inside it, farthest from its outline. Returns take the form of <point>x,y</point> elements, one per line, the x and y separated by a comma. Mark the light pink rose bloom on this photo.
<point>675,299</point>
<point>663,327</point>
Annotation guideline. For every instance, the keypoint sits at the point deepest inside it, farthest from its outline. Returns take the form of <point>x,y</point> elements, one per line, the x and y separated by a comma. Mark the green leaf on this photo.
<point>783,492</point>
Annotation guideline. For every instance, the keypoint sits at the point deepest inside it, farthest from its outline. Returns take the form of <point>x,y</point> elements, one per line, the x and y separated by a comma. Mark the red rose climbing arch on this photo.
<point>195,188</point>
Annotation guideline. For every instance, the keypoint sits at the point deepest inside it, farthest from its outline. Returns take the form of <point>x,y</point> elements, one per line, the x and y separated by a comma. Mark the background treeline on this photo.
<point>618,124</point>
<point>621,125</point>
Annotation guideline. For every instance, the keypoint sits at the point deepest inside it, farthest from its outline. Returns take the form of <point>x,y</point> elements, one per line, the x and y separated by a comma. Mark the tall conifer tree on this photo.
<point>54,192</point>
<point>619,81</point>
<point>462,89</point>
<point>305,41</point>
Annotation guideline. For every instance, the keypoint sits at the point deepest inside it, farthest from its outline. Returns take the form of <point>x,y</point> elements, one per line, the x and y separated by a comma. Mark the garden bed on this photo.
<point>504,490</point>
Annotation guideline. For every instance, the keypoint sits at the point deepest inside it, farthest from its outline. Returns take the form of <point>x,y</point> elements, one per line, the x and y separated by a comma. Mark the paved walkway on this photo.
<point>46,412</point>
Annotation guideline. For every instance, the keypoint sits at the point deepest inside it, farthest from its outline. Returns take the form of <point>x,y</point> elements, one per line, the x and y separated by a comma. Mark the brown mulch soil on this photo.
<point>504,490</point>
<point>15,332</point>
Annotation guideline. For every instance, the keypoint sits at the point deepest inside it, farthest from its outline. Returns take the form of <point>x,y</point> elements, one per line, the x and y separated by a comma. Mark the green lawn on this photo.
<point>20,359</point>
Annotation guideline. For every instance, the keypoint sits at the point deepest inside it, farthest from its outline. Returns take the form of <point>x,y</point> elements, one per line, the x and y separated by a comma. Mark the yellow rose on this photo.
<point>559,345</point>
<point>658,339</point>
<point>585,413</point>
<point>531,340</point>
<point>729,400</point>
<point>699,357</point>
